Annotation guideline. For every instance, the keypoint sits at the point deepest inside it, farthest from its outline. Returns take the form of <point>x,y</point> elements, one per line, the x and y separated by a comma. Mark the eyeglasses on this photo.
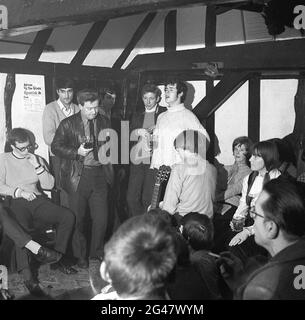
<point>28,147</point>
<point>254,214</point>
<point>24,148</point>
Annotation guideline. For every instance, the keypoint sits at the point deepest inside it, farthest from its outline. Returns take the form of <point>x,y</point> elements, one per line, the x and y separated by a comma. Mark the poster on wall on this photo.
<point>33,99</point>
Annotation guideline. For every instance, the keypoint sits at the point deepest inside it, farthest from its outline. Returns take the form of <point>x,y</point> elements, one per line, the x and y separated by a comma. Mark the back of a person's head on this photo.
<point>192,141</point>
<point>140,256</point>
<point>285,206</point>
<point>198,230</point>
<point>163,214</point>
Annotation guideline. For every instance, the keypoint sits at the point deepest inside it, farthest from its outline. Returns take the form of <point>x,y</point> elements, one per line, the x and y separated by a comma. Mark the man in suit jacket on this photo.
<point>138,200</point>
<point>81,173</point>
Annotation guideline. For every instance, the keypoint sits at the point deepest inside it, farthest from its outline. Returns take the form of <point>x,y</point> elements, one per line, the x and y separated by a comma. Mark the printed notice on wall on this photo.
<point>32,97</point>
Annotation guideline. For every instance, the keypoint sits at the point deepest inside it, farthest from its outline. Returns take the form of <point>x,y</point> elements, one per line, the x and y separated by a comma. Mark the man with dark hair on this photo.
<point>82,175</point>
<point>108,98</point>
<point>279,227</point>
<point>170,124</point>
<point>140,175</point>
<point>139,258</point>
<point>53,114</point>
<point>22,175</point>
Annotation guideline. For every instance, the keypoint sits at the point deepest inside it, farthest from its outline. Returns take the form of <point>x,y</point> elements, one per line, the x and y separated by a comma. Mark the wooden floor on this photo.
<point>81,286</point>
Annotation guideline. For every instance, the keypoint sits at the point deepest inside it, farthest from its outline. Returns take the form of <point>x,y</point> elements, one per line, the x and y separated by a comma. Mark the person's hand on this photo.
<point>231,269</point>
<point>83,151</point>
<point>28,195</point>
<point>33,160</point>
<point>239,238</point>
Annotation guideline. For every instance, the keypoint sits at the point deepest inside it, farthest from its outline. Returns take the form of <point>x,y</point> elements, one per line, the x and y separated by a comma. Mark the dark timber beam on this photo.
<point>273,55</point>
<point>35,15</point>
<point>89,42</point>
<point>63,69</point>
<point>170,31</point>
<point>38,45</point>
<point>220,93</point>
<point>210,42</point>
<point>144,25</point>
<point>254,107</point>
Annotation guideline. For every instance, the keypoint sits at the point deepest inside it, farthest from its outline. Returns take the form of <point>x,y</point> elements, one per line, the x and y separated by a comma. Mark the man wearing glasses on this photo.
<point>82,175</point>
<point>22,174</point>
<point>279,227</point>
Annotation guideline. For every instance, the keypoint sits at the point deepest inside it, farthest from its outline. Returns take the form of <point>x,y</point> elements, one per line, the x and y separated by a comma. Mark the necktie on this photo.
<point>266,178</point>
<point>92,138</point>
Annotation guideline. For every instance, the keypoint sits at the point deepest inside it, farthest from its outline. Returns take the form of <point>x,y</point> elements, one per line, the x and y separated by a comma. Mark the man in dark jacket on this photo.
<point>142,125</point>
<point>279,226</point>
<point>82,175</point>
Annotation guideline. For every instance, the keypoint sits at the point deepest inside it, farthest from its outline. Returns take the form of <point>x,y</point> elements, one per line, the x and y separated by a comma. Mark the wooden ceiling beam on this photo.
<point>35,15</point>
<point>89,42</point>
<point>144,25</point>
<point>59,69</point>
<point>170,32</point>
<point>220,93</point>
<point>38,45</point>
<point>273,55</point>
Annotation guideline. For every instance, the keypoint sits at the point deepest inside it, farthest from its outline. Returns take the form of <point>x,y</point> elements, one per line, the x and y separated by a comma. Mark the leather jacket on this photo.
<point>68,137</point>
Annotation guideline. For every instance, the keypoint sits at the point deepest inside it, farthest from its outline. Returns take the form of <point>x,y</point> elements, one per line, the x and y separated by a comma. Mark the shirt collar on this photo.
<point>63,108</point>
<point>176,108</point>
<point>152,110</point>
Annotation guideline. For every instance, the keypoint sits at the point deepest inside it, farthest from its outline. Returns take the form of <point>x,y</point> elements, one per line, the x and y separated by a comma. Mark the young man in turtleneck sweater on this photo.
<point>140,175</point>
<point>170,124</point>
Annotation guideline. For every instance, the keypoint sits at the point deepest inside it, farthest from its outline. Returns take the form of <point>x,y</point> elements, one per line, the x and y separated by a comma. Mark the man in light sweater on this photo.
<point>170,124</point>
<point>22,174</point>
<point>53,114</point>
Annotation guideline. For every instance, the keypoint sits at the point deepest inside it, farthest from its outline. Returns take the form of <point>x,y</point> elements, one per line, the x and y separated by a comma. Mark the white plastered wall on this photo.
<point>231,120</point>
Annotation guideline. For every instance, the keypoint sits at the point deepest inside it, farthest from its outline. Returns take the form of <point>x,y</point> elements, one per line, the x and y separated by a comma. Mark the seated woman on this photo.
<point>231,191</point>
<point>21,174</point>
<point>264,162</point>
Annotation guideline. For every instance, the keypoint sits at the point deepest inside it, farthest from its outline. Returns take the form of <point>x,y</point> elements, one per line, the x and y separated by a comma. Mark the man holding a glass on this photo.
<point>82,175</point>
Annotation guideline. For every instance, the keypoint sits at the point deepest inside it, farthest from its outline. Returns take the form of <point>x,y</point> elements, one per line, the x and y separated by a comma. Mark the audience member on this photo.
<point>279,227</point>
<point>22,174</point>
<point>264,161</point>
<point>139,258</point>
<point>198,231</point>
<point>192,183</point>
<point>230,192</point>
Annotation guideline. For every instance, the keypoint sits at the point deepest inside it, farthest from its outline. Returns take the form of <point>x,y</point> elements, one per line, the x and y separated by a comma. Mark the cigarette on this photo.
<point>214,255</point>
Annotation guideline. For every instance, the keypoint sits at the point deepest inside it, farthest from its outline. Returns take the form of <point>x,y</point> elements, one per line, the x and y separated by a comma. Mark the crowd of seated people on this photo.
<point>189,248</point>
